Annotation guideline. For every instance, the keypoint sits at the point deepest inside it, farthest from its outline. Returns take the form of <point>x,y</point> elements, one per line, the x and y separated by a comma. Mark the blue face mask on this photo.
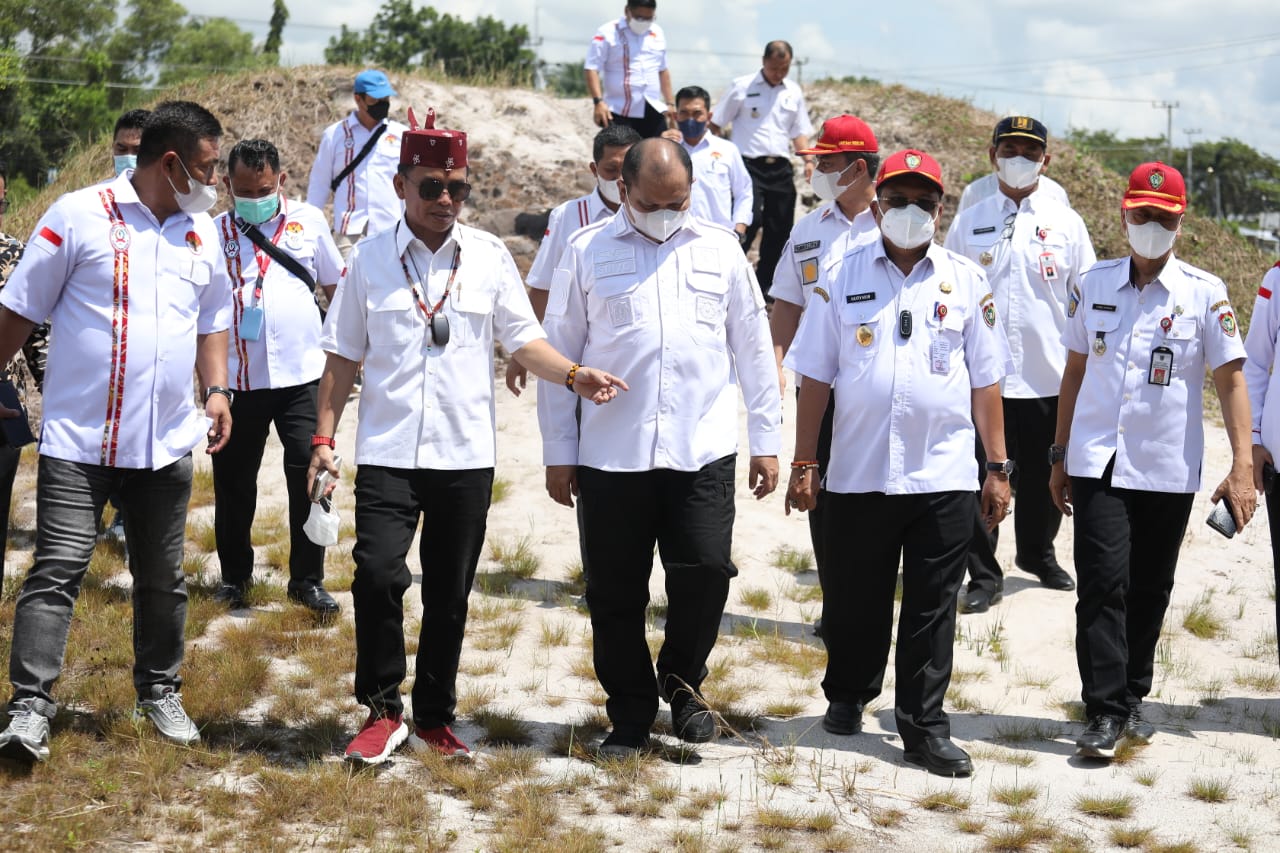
<point>125,161</point>
<point>692,128</point>
<point>256,211</point>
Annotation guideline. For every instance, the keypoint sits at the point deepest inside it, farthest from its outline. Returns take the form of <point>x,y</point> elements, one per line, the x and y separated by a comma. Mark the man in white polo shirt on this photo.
<point>626,71</point>
<point>130,269</point>
<point>275,364</point>
<point>721,184</point>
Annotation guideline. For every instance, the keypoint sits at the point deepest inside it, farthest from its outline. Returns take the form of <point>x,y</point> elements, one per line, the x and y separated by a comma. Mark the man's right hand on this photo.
<point>321,459</point>
<point>517,377</point>
<point>601,114</point>
<point>1060,488</point>
<point>1261,457</point>
<point>562,483</point>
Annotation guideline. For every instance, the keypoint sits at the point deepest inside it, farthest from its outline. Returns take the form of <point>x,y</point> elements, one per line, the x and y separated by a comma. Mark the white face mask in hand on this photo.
<point>1018,172</point>
<point>1150,240</point>
<point>906,227</point>
<point>321,526</point>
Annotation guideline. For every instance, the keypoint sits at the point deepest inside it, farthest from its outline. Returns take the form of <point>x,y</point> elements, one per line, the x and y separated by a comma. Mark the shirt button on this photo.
<point>1132,366</point>
<point>1126,396</point>
<point>1122,430</point>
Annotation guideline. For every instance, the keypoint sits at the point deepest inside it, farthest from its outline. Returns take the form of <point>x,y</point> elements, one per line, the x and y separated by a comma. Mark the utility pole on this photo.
<point>800,64</point>
<point>1168,107</point>
<point>539,76</point>
<point>1190,132</point>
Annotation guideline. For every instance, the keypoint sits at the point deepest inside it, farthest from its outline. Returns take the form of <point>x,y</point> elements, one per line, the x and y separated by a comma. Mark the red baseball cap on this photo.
<point>1156,185</point>
<point>844,133</point>
<point>910,162</point>
<point>428,146</point>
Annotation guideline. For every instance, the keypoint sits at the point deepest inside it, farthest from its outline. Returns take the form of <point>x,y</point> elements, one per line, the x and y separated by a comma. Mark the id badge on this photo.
<point>940,356</point>
<point>1161,366</point>
<point>1048,266</point>
<point>251,323</point>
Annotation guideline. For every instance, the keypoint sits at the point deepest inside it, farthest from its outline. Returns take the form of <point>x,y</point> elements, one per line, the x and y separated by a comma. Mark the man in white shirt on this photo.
<point>626,71</point>
<point>989,185</point>
<point>607,150</point>
<point>128,268</point>
<point>1034,250</point>
<point>275,364</point>
<point>669,301</point>
<point>1264,401</point>
<point>1130,445</point>
<point>421,305</point>
<point>910,340</point>
<point>721,185</point>
<point>769,117</point>
<point>126,139</point>
<point>356,162</point>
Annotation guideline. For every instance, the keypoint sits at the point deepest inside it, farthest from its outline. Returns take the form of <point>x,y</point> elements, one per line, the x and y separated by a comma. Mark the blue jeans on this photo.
<point>69,500</point>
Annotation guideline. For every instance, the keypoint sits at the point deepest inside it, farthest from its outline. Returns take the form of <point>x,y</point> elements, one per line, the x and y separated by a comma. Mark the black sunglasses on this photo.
<point>928,205</point>
<point>430,189</point>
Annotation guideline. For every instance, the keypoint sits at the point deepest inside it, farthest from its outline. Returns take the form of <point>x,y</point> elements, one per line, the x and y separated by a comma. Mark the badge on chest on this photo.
<point>1161,370</point>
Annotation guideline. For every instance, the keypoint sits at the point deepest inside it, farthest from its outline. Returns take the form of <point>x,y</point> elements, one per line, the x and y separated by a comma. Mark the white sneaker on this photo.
<point>164,710</point>
<point>27,737</point>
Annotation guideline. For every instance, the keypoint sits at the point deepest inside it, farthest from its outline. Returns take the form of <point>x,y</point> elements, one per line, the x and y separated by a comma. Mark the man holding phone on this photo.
<point>1130,445</point>
<point>1264,401</point>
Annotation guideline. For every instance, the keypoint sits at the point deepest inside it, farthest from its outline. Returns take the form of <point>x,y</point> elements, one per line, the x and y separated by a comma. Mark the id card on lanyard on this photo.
<point>252,320</point>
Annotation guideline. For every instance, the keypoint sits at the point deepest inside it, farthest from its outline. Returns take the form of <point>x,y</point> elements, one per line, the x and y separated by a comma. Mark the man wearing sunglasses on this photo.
<point>421,305</point>
<point>1034,249</point>
<point>356,163</point>
<point>910,342</point>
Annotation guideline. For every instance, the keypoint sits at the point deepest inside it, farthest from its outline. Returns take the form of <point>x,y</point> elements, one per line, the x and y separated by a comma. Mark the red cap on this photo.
<point>910,162</point>
<point>440,149</point>
<point>1156,185</point>
<point>844,133</point>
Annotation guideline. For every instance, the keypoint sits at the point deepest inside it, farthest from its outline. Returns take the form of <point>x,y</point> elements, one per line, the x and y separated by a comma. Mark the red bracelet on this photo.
<point>323,440</point>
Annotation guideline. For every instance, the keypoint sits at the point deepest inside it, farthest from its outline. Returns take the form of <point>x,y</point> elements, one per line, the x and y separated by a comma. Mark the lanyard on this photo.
<point>453,271</point>
<point>263,259</point>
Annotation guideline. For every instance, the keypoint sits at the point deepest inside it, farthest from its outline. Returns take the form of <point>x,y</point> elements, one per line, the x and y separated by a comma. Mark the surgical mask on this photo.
<point>826,185</point>
<point>906,227</point>
<point>659,224</point>
<point>379,110</point>
<point>609,190</point>
<point>1018,172</point>
<point>639,26</point>
<point>1151,240</point>
<point>124,162</point>
<point>199,198</point>
<point>256,211</point>
<point>691,128</point>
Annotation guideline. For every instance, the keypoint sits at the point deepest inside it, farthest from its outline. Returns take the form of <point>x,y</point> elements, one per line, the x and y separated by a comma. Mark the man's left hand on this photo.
<point>596,385</point>
<point>762,476</point>
<point>218,407</point>
<point>808,169</point>
<point>995,500</point>
<point>1238,489</point>
<point>672,134</point>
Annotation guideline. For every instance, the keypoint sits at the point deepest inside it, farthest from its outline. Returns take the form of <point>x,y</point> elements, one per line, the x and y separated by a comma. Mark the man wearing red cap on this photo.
<point>1130,445</point>
<point>1034,249</point>
<point>844,180</point>
<point>421,305</point>
<point>910,341</point>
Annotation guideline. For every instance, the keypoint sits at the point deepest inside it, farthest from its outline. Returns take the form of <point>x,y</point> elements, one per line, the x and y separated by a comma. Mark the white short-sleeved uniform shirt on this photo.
<point>904,418</point>
<point>628,65</point>
<point>765,118</point>
<point>565,221</point>
<point>683,322</point>
<point>126,297</point>
<point>286,351</point>
<point>1260,345</point>
<point>822,236</point>
<point>989,185</point>
<point>1155,432</point>
<point>721,191</point>
<point>1034,253</point>
<point>423,405</point>
<point>366,200</point>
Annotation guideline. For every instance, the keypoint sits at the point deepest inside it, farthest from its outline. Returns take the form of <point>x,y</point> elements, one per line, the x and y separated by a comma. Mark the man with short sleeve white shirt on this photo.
<point>1130,445</point>
<point>769,117</point>
<point>670,302</point>
<point>275,365</point>
<point>909,340</point>
<point>989,185</point>
<point>626,71</point>
<point>722,190</point>
<point>128,274</point>
<point>1034,250</point>
<point>1264,402</point>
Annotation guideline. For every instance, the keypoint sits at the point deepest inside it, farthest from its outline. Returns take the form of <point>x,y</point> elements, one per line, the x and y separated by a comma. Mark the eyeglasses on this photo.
<point>928,205</point>
<point>1007,233</point>
<point>430,189</point>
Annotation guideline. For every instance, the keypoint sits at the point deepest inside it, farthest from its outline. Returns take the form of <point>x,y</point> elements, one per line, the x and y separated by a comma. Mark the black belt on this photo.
<point>768,161</point>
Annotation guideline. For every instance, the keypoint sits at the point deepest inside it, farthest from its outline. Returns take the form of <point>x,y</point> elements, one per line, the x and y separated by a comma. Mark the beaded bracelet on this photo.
<point>573,373</point>
<point>803,466</point>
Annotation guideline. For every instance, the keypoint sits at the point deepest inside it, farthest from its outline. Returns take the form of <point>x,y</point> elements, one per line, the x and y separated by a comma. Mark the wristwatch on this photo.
<point>1057,453</point>
<point>1006,467</point>
<point>218,389</point>
<point>596,100</point>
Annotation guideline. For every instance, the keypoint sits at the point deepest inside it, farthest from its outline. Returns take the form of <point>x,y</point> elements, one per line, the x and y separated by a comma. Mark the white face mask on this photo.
<point>1018,172</point>
<point>608,190</point>
<point>826,185</point>
<point>639,26</point>
<point>659,224</point>
<point>1151,240</point>
<point>906,227</point>
<point>199,198</point>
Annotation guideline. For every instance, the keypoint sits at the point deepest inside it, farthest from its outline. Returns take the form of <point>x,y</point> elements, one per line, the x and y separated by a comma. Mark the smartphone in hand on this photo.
<point>1222,520</point>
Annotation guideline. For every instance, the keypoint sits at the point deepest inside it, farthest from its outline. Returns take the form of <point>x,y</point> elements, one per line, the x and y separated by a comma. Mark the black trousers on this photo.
<point>867,535</point>
<point>773,211</point>
<point>454,506</point>
<point>817,534</point>
<point>652,123</point>
<point>1273,521</point>
<point>689,514</point>
<point>9,458</point>
<point>235,480</point>
<point>1029,426</point>
<point>1126,551</point>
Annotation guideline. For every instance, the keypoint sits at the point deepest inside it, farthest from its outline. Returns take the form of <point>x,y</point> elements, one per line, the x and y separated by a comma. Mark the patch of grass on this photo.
<point>755,598</point>
<point>1147,777</point>
<point>802,593</point>
<point>1208,790</point>
<point>1020,836</point>
<point>499,635</point>
<point>958,700</point>
<point>886,818</point>
<point>200,533</point>
<point>201,486</point>
<point>501,489</point>
<point>1013,795</point>
<point>1130,837</point>
<point>784,708</point>
<point>269,526</point>
<point>1025,731</point>
<point>503,728</point>
<point>517,558</point>
<point>986,752</point>
<point>1115,807</point>
<point>1258,679</point>
<point>792,560</point>
<point>943,801</point>
<point>277,556</point>
<point>1073,711</point>
<point>971,824</point>
<point>1202,621</point>
<point>475,698</point>
<point>554,634</point>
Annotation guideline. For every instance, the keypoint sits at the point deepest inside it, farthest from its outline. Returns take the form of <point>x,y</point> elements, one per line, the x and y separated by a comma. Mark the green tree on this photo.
<point>275,35</point>
<point>207,46</point>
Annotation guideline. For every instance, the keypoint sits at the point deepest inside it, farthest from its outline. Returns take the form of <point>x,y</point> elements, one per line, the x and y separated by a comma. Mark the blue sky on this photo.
<point>1097,64</point>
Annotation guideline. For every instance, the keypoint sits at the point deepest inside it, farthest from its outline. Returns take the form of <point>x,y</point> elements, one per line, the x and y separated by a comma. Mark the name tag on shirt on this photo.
<point>812,245</point>
<point>940,356</point>
<point>988,230</point>
<point>854,298</point>
<point>609,262</point>
<point>1097,306</point>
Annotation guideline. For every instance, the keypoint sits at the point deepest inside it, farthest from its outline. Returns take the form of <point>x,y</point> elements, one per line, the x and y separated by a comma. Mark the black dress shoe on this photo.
<point>624,742</point>
<point>691,720</point>
<point>232,595</point>
<point>315,599</point>
<point>1099,740</point>
<point>1051,576</point>
<point>843,718</point>
<point>979,600</point>
<point>940,757</point>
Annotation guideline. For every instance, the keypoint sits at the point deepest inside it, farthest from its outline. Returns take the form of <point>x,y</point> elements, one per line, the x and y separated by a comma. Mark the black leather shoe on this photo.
<point>691,720</point>
<point>1052,576</point>
<point>979,600</point>
<point>843,718</point>
<point>940,757</point>
<point>315,599</point>
<point>1136,728</point>
<point>624,742</point>
<point>232,595</point>
<point>1099,740</point>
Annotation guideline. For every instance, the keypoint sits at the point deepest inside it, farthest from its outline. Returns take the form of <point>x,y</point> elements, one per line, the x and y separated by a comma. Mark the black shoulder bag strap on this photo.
<point>359,158</point>
<point>287,261</point>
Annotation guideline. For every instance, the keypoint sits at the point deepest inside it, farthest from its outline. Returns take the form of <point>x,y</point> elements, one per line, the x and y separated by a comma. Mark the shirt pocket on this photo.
<point>862,331</point>
<point>617,312</point>
<point>470,310</point>
<point>1102,326</point>
<point>1184,339</point>
<point>195,276</point>
<point>392,322</point>
<point>705,302</point>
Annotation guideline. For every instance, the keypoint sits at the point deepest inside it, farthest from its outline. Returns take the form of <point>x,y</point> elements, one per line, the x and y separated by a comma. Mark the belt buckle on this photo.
<point>769,161</point>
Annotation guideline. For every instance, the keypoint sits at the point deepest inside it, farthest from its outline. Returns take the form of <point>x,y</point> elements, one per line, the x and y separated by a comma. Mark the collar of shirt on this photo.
<point>124,192</point>
<point>830,209</point>
<point>407,241</point>
<point>923,267</point>
<point>765,80</point>
<point>1168,277</point>
<point>704,142</point>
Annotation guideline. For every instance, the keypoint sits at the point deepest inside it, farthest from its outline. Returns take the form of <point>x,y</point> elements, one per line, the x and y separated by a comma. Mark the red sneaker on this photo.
<point>441,740</point>
<point>378,738</point>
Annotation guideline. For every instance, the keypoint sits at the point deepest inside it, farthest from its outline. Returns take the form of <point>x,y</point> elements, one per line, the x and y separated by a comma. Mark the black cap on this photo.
<point>1023,126</point>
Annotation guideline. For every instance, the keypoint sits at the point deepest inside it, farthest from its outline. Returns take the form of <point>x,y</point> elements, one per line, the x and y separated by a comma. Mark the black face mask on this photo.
<point>379,110</point>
